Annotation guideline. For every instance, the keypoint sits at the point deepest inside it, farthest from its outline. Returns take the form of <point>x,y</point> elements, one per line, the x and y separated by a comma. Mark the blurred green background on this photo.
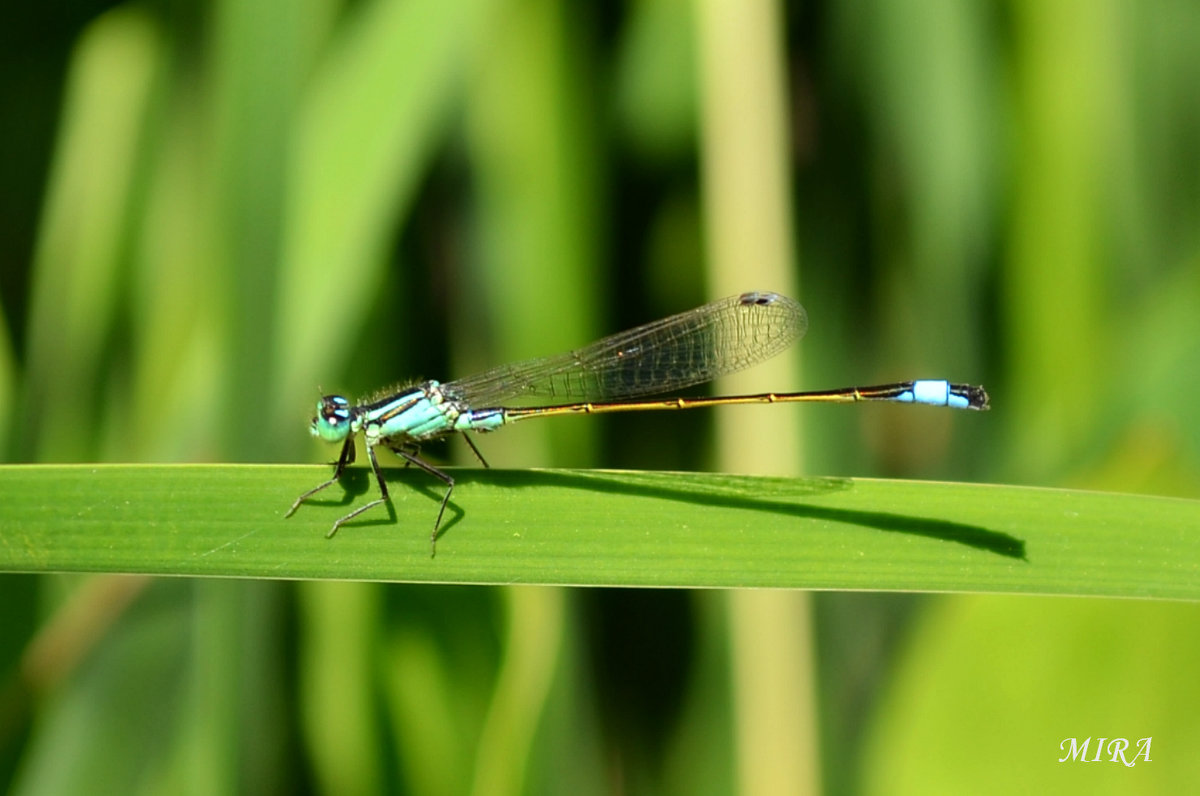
<point>209,209</point>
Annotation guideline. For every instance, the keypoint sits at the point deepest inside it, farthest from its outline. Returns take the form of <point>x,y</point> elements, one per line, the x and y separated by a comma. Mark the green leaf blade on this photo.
<point>610,528</point>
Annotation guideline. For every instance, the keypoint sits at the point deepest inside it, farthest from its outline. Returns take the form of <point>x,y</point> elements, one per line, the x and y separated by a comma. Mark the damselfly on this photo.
<point>611,375</point>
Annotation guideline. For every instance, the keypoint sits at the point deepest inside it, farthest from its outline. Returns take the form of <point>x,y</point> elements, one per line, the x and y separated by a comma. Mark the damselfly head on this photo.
<point>333,420</point>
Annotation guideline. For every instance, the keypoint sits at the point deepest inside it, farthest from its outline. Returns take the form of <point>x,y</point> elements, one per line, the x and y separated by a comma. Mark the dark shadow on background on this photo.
<point>732,491</point>
<point>725,491</point>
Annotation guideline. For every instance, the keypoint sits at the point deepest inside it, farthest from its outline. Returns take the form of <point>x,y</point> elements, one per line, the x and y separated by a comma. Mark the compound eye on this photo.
<point>332,422</point>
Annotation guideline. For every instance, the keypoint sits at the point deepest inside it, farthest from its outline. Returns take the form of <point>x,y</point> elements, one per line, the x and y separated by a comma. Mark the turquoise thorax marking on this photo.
<point>421,413</point>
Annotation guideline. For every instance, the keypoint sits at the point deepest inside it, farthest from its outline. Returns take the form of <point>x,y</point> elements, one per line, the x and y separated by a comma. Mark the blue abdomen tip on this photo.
<point>935,393</point>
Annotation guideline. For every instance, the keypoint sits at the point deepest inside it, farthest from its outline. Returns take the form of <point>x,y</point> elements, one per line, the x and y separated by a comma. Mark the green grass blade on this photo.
<point>601,528</point>
<point>374,112</point>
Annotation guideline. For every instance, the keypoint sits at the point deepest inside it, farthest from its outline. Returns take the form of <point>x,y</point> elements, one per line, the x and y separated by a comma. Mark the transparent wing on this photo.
<point>670,354</point>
